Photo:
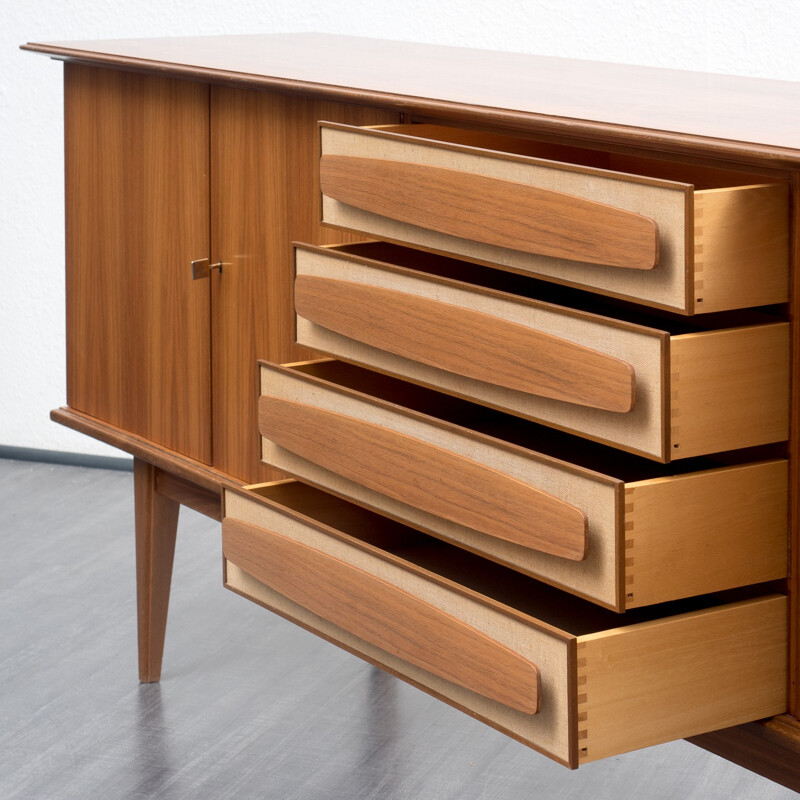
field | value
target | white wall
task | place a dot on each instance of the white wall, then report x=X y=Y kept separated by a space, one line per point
x=744 y=37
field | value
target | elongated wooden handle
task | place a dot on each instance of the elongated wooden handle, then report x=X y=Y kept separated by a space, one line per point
x=467 y=342
x=384 y=615
x=493 y=211
x=426 y=476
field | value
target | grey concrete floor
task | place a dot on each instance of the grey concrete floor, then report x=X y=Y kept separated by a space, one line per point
x=249 y=706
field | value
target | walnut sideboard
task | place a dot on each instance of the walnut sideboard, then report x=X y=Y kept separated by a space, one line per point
x=486 y=362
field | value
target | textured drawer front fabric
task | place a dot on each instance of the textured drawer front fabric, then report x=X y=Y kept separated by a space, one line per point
x=604 y=684
x=598 y=534
x=637 y=388
x=659 y=241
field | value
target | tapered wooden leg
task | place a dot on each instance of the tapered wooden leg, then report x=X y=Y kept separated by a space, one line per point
x=156 y=527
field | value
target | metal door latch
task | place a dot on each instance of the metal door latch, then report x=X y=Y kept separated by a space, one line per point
x=202 y=269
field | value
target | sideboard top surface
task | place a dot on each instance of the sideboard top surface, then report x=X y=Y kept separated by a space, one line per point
x=671 y=108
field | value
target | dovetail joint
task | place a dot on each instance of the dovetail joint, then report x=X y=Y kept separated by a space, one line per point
x=630 y=526
x=698 y=255
x=582 y=678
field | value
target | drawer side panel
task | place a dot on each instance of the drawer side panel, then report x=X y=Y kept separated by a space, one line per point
x=705 y=532
x=679 y=677
x=729 y=389
x=741 y=247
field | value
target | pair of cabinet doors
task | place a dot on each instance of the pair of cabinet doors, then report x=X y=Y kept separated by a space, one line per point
x=159 y=173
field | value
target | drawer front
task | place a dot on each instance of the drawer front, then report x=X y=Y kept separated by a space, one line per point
x=379 y=611
x=634 y=387
x=656 y=241
x=538 y=514
x=541 y=682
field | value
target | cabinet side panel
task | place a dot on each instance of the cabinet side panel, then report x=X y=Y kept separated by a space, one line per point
x=264 y=195
x=137 y=214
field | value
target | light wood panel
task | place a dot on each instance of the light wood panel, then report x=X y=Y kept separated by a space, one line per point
x=384 y=615
x=741 y=247
x=498 y=212
x=136 y=214
x=264 y=194
x=467 y=342
x=702 y=532
x=729 y=389
x=653 y=682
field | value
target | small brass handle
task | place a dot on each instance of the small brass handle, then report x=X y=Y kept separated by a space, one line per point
x=202 y=269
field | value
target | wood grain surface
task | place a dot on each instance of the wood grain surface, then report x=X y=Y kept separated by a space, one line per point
x=656 y=681
x=138 y=350
x=200 y=475
x=794 y=476
x=264 y=194
x=741 y=247
x=710 y=113
x=426 y=476
x=729 y=389
x=381 y=613
x=493 y=211
x=467 y=342
x=640 y=430
x=705 y=531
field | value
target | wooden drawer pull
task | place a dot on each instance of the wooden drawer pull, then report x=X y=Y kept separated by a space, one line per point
x=384 y=615
x=426 y=476
x=493 y=211
x=466 y=342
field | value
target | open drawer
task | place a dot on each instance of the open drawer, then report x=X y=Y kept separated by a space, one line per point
x=613 y=528
x=571 y=680
x=665 y=392
x=683 y=237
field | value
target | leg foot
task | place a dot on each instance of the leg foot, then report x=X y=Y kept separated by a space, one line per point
x=156 y=527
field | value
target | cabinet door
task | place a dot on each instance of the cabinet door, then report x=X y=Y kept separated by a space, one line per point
x=138 y=353
x=264 y=195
